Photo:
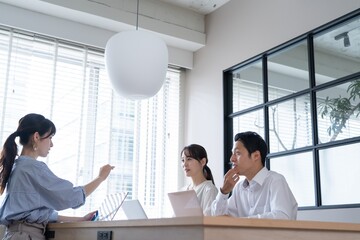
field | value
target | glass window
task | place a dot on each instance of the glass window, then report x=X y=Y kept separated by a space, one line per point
x=4 y=48
x=299 y=174
x=337 y=51
x=288 y=71
x=68 y=84
x=247 y=87
x=298 y=110
x=253 y=121
x=290 y=124
x=339 y=112
x=340 y=178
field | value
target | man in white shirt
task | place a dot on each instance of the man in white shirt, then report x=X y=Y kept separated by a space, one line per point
x=263 y=193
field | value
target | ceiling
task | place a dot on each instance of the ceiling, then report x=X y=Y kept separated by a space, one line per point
x=185 y=31
x=200 y=6
x=190 y=36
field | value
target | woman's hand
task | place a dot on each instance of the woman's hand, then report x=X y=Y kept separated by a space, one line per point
x=103 y=174
x=89 y=216
x=105 y=171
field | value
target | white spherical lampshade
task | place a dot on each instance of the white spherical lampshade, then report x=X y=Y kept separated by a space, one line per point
x=136 y=62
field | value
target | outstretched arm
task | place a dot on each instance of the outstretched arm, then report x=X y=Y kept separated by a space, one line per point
x=103 y=174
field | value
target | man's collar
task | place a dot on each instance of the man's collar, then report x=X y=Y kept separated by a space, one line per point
x=259 y=177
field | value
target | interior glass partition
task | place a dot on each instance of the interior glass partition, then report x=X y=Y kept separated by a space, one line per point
x=303 y=97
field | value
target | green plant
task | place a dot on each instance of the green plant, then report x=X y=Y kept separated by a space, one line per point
x=339 y=110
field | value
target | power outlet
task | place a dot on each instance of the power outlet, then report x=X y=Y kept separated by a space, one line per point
x=104 y=235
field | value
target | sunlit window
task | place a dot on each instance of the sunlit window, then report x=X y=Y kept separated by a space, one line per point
x=68 y=84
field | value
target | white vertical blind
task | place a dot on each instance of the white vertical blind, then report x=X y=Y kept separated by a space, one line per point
x=68 y=84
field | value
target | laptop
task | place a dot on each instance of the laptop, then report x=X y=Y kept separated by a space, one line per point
x=185 y=203
x=110 y=207
x=133 y=210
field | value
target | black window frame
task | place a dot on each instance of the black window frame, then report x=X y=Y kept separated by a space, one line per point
x=229 y=114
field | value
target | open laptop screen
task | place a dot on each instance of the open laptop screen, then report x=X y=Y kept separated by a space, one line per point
x=133 y=210
x=111 y=205
x=185 y=203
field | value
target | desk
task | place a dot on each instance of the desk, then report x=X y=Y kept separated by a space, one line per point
x=209 y=228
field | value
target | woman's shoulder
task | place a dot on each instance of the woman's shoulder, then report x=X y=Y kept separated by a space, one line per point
x=25 y=160
x=208 y=183
x=208 y=186
x=30 y=165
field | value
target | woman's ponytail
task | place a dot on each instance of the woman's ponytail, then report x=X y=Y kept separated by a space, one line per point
x=7 y=159
x=207 y=173
x=28 y=125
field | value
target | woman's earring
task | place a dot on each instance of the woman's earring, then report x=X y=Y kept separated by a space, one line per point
x=34 y=147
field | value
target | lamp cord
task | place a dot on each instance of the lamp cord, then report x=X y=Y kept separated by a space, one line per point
x=137 y=15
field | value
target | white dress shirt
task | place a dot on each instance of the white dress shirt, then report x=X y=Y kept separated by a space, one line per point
x=267 y=195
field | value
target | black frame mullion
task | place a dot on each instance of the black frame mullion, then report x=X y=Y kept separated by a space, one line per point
x=312 y=90
x=315 y=152
x=266 y=108
x=228 y=121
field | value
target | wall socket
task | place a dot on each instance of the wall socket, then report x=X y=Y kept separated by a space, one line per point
x=104 y=235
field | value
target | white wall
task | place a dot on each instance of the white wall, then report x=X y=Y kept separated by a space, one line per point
x=237 y=31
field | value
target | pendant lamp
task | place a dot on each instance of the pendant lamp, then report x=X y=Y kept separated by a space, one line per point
x=136 y=62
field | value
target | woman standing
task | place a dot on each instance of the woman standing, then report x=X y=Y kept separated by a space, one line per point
x=34 y=193
x=194 y=162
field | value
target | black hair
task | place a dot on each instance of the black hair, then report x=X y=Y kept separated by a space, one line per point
x=28 y=125
x=198 y=152
x=253 y=142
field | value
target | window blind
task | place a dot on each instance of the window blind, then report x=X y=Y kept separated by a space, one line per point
x=67 y=83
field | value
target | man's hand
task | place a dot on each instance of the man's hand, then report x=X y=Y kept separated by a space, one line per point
x=230 y=179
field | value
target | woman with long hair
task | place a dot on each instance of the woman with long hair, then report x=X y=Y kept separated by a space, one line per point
x=34 y=193
x=194 y=162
